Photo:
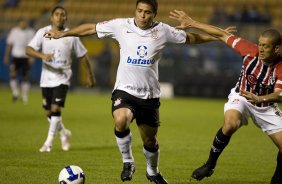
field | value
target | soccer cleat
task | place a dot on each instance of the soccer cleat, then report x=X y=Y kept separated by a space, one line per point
x=45 y=148
x=201 y=172
x=15 y=98
x=276 y=180
x=65 y=140
x=127 y=171
x=158 y=179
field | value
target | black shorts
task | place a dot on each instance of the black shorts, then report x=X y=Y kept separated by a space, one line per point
x=56 y=95
x=145 y=111
x=21 y=64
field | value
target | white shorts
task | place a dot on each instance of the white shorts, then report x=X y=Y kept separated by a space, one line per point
x=269 y=119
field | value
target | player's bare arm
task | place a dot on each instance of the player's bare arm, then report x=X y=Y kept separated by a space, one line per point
x=79 y=31
x=187 y=22
x=36 y=54
x=272 y=97
x=193 y=38
x=89 y=81
x=7 y=54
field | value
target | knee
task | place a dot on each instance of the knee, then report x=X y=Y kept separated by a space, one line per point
x=55 y=108
x=121 y=123
x=151 y=142
x=230 y=126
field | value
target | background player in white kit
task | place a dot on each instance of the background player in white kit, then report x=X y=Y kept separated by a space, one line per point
x=136 y=92
x=56 y=73
x=255 y=95
x=17 y=41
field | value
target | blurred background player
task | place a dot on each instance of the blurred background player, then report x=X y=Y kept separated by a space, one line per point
x=137 y=91
x=57 y=72
x=19 y=67
x=255 y=95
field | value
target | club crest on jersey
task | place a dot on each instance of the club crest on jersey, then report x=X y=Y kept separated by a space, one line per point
x=252 y=79
x=154 y=33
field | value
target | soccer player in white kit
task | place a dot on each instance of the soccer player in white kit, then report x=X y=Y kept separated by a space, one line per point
x=17 y=40
x=136 y=92
x=56 y=73
x=255 y=95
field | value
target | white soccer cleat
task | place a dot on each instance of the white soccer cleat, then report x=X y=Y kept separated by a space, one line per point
x=65 y=140
x=45 y=148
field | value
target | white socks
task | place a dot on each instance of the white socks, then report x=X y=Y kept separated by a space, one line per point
x=14 y=87
x=152 y=159
x=124 y=145
x=54 y=122
x=60 y=127
x=25 y=86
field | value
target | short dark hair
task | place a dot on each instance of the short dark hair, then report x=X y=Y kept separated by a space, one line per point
x=274 y=35
x=153 y=3
x=58 y=7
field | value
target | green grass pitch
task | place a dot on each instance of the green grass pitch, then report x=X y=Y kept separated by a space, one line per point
x=188 y=126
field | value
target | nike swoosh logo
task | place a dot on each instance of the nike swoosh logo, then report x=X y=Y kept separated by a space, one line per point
x=58 y=99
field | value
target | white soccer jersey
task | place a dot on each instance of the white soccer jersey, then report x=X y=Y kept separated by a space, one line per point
x=140 y=53
x=19 y=38
x=58 y=71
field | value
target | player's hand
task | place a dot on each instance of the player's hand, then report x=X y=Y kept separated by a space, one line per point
x=231 y=29
x=252 y=98
x=184 y=20
x=90 y=82
x=53 y=34
x=48 y=57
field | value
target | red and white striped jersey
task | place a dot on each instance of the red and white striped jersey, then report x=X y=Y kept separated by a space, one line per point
x=256 y=76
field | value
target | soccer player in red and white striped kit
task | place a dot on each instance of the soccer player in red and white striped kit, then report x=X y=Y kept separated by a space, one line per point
x=255 y=95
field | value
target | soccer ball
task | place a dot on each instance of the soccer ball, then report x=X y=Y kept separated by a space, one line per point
x=71 y=175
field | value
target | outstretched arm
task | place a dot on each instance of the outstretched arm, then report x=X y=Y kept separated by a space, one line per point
x=79 y=31
x=187 y=22
x=194 y=38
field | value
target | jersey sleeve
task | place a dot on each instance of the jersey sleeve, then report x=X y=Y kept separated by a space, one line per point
x=108 y=28
x=79 y=48
x=174 y=35
x=242 y=46
x=278 y=83
x=36 y=41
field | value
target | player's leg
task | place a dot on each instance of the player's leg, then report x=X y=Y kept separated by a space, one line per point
x=47 y=94
x=232 y=121
x=277 y=176
x=152 y=153
x=13 y=81
x=147 y=119
x=122 y=120
x=235 y=115
x=57 y=100
x=25 y=84
x=123 y=116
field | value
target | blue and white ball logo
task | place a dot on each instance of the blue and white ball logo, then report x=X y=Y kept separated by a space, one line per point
x=142 y=51
x=72 y=175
